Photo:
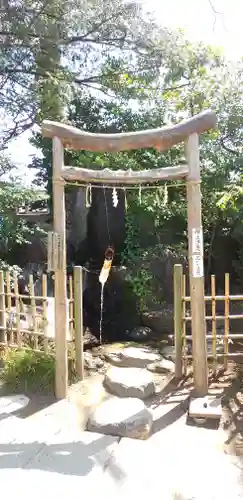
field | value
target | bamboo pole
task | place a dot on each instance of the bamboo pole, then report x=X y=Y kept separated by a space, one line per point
x=8 y=293
x=218 y=317
x=184 y=326
x=196 y=267
x=208 y=298
x=214 y=331
x=221 y=355
x=3 y=333
x=71 y=306
x=178 y=274
x=226 y=320
x=17 y=315
x=78 y=320
x=45 y=318
x=230 y=336
x=61 y=324
x=33 y=309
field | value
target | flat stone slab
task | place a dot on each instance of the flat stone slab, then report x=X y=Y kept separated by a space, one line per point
x=207 y=407
x=12 y=403
x=126 y=417
x=137 y=357
x=163 y=366
x=130 y=382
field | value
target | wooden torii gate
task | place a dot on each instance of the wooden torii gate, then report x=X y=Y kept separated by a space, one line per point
x=162 y=139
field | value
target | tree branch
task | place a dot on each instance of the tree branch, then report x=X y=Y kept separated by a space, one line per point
x=227 y=148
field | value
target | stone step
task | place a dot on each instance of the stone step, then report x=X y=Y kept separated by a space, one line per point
x=130 y=382
x=137 y=419
x=137 y=357
x=124 y=417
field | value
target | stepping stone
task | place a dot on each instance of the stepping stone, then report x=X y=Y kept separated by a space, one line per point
x=137 y=357
x=15 y=402
x=126 y=417
x=208 y=407
x=163 y=366
x=130 y=382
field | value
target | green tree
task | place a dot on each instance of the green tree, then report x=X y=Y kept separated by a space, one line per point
x=50 y=50
x=192 y=78
x=14 y=230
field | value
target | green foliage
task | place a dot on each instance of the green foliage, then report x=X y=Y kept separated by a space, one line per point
x=52 y=51
x=28 y=370
x=187 y=78
x=14 y=230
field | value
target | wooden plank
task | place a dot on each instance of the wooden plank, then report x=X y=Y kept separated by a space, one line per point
x=121 y=177
x=3 y=333
x=161 y=138
x=196 y=268
x=59 y=220
x=78 y=320
x=208 y=407
x=178 y=327
x=226 y=320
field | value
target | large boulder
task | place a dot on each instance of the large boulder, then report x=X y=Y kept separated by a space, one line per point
x=140 y=334
x=126 y=417
x=161 y=322
x=130 y=382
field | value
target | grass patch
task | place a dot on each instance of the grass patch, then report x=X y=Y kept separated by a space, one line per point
x=28 y=370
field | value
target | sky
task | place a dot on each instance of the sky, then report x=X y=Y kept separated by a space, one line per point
x=217 y=22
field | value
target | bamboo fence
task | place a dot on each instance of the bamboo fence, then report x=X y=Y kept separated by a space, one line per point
x=27 y=320
x=182 y=317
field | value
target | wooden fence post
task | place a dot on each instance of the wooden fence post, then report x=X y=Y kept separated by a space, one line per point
x=178 y=320
x=196 y=267
x=3 y=336
x=78 y=320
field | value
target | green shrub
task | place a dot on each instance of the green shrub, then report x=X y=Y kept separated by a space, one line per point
x=29 y=370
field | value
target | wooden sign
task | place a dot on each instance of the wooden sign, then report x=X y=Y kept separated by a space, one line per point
x=197 y=240
x=197 y=266
x=55 y=252
x=197 y=252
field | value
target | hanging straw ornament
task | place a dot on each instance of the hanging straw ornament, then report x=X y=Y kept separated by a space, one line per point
x=125 y=199
x=88 y=196
x=115 y=199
